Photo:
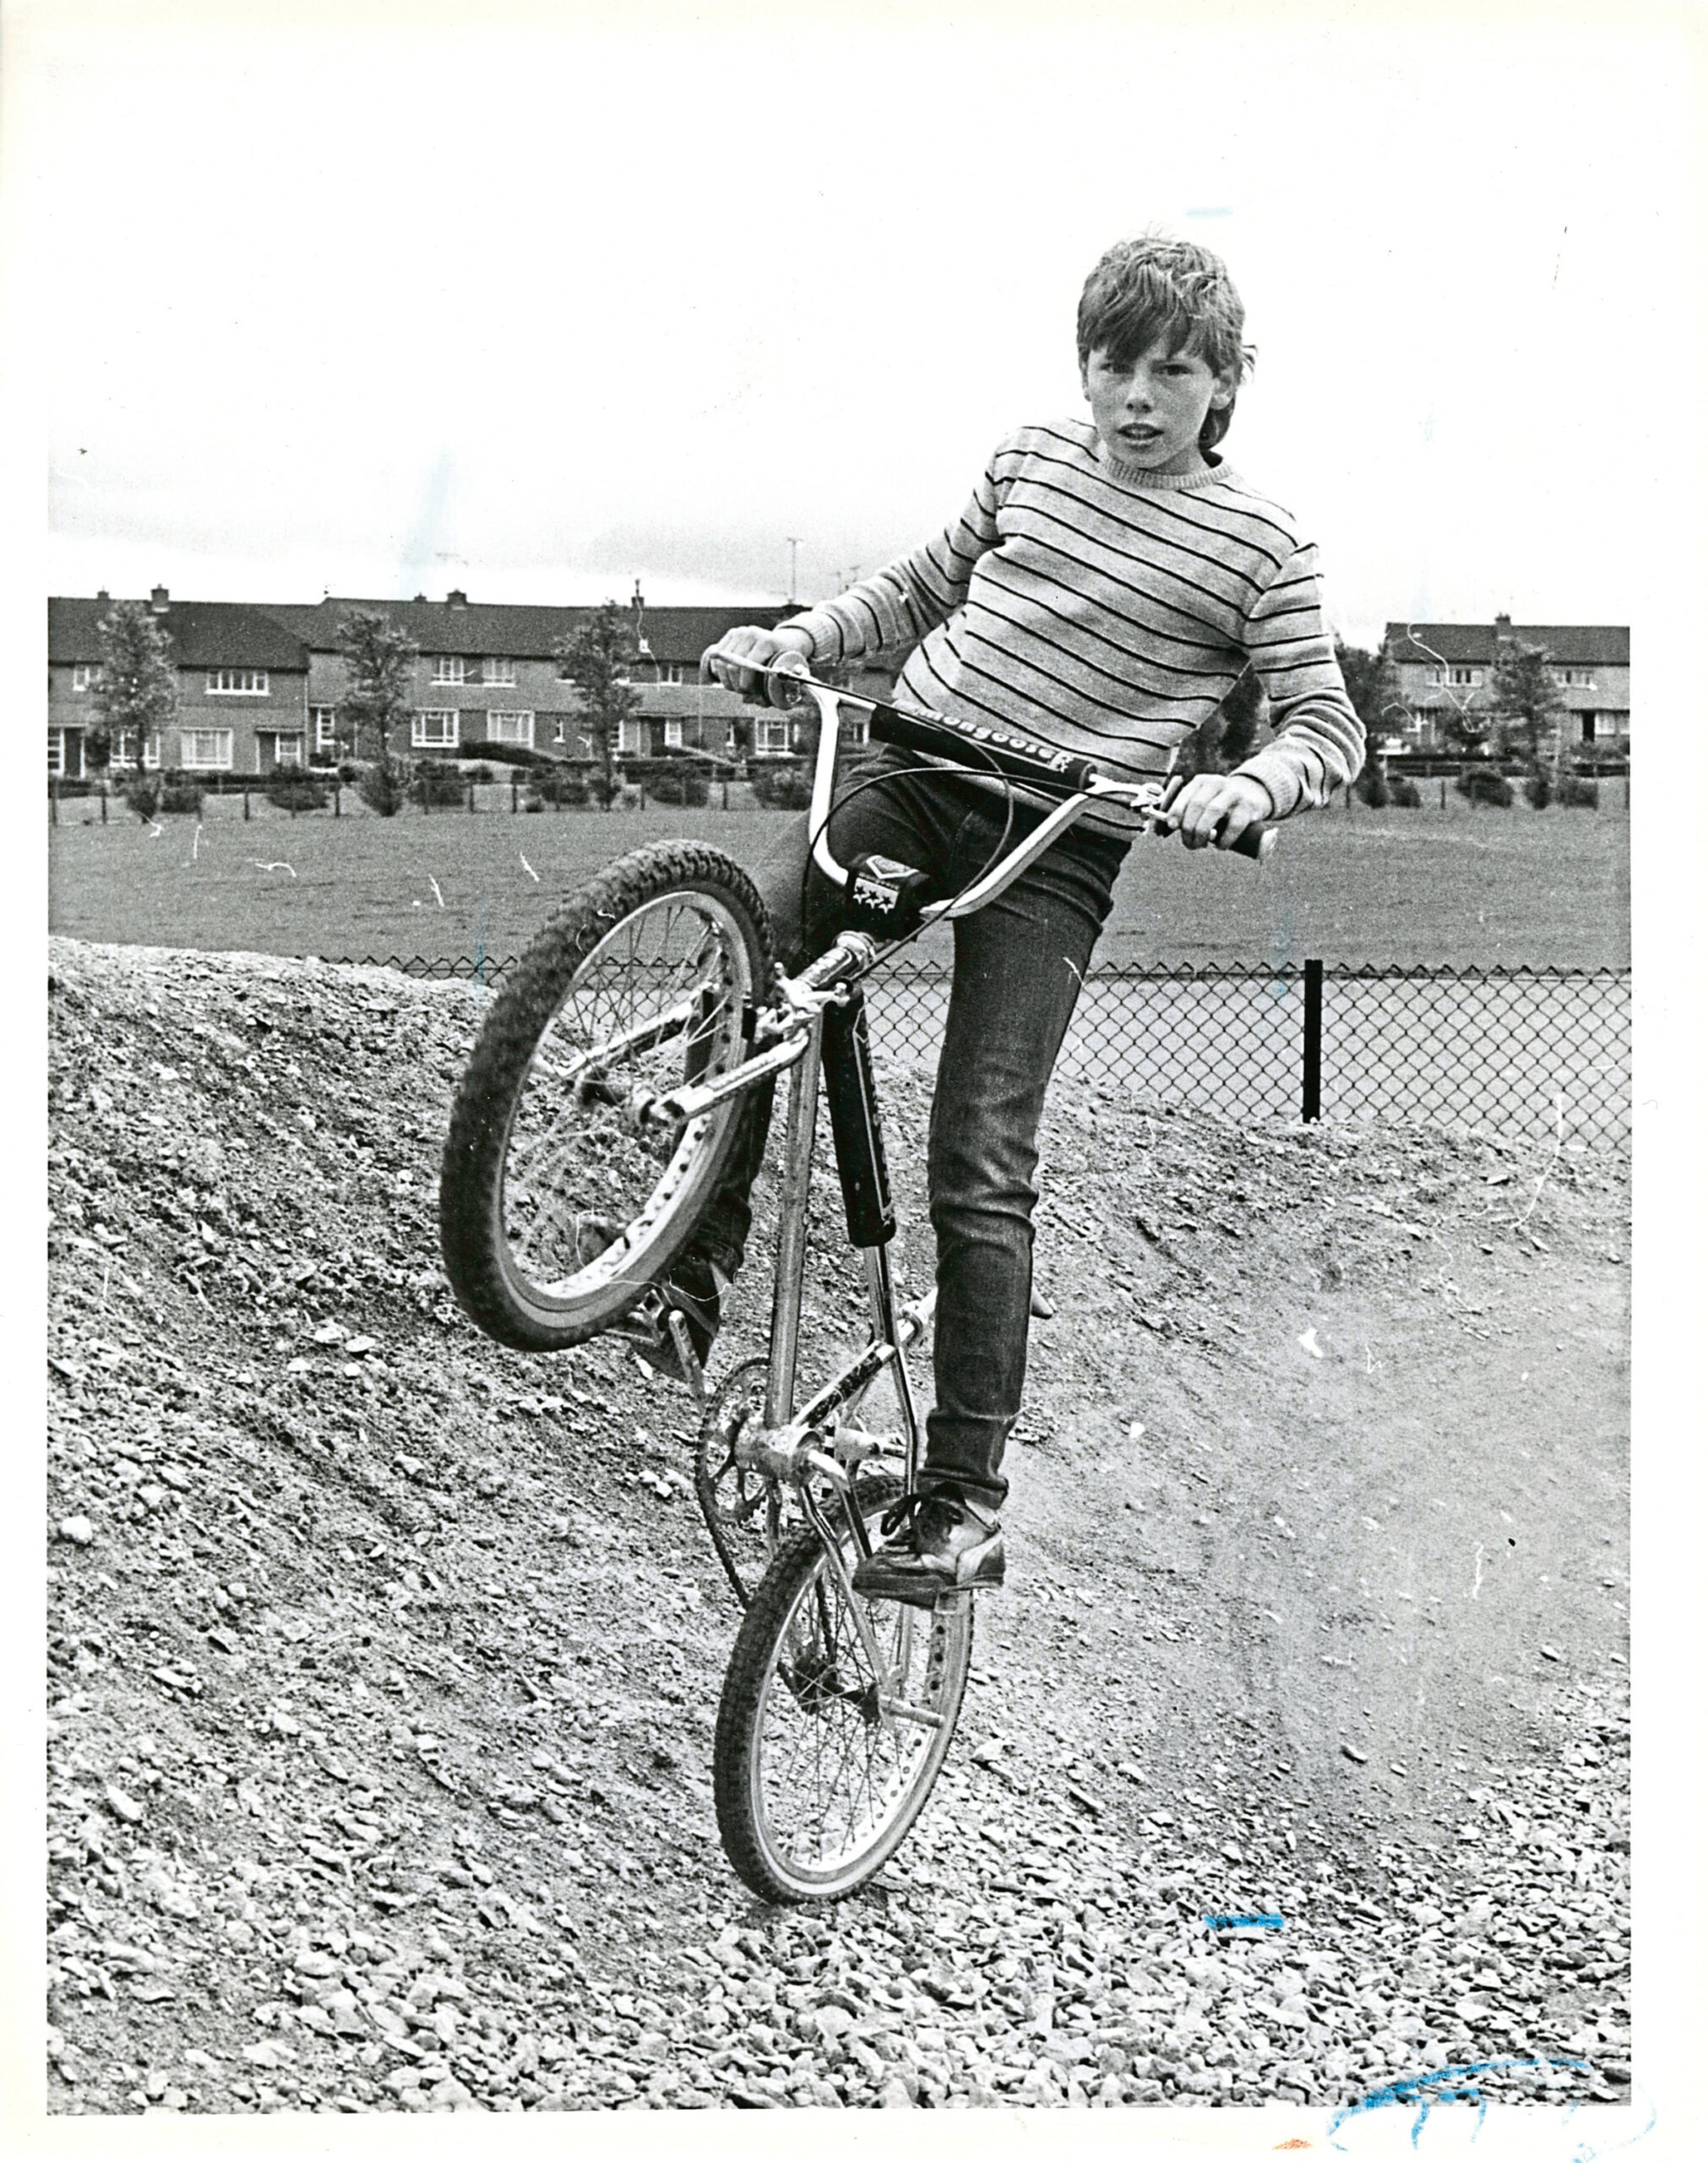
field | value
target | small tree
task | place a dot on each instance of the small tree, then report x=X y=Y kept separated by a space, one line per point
x=1371 y=684
x=136 y=687
x=378 y=660
x=1525 y=698
x=1220 y=743
x=599 y=660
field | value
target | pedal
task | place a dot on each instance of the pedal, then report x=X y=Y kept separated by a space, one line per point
x=676 y=1322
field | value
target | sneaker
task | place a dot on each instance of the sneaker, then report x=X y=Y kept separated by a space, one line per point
x=939 y=1542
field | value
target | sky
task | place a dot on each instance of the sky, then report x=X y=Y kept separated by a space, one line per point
x=544 y=301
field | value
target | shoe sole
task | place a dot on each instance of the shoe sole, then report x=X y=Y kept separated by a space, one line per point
x=975 y=1571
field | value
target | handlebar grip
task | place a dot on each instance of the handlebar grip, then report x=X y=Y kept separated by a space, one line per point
x=989 y=749
x=1256 y=843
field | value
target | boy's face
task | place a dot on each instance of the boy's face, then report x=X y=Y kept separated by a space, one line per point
x=1151 y=414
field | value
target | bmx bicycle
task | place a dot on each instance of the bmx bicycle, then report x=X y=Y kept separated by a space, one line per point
x=590 y=1130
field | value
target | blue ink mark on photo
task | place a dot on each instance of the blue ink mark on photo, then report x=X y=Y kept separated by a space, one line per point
x=1444 y=2085
x=1245 y=1922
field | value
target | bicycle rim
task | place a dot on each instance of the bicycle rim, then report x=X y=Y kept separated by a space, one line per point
x=591 y=1196
x=834 y=1770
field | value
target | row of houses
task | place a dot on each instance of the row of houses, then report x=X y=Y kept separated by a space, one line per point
x=259 y=686
x=1443 y=672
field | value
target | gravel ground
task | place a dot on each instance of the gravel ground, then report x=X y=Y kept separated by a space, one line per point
x=383 y=1663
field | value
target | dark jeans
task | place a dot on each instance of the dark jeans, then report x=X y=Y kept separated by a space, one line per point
x=1018 y=963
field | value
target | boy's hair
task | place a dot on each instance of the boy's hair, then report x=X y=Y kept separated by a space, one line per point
x=1152 y=290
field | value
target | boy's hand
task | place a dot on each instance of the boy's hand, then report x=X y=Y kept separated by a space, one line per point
x=748 y=644
x=1215 y=809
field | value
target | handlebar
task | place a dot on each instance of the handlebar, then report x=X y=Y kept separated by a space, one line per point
x=1078 y=782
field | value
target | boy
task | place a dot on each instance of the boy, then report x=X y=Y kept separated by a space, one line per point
x=1100 y=594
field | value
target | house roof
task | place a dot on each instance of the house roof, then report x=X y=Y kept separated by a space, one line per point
x=203 y=634
x=513 y=630
x=1577 y=645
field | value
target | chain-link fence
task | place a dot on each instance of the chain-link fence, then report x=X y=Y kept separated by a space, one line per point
x=1500 y=1048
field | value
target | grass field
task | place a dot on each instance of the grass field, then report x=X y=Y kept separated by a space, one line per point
x=1459 y=887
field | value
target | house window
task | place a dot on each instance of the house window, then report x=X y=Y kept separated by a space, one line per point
x=450 y=669
x=83 y=676
x=434 y=729
x=1464 y=676
x=672 y=736
x=669 y=671
x=630 y=737
x=56 y=750
x=1607 y=724
x=1583 y=677
x=852 y=729
x=325 y=722
x=495 y=671
x=238 y=683
x=209 y=749
x=511 y=728
x=124 y=751
x=774 y=737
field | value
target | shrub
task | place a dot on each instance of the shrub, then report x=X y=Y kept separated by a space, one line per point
x=143 y=794
x=678 y=783
x=182 y=792
x=349 y=772
x=533 y=801
x=503 y=755
x=780 y=788
x=382 y=789
x=481 y=777
x=1402 y=791
x=1538 y=789
x=1484 y=784
x=560 y=785
x=436 y=781
x=297 y=792
x=1576 y=793
x=1372 y=786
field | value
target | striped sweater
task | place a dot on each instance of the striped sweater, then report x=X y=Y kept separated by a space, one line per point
x=1107 y=611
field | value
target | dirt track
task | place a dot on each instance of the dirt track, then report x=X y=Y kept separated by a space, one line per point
x=384 y=1662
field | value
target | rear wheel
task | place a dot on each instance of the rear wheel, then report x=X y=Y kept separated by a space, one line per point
x=560 y=1201
x=821 y=1765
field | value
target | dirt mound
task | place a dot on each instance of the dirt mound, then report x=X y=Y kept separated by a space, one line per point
x=384 y=1662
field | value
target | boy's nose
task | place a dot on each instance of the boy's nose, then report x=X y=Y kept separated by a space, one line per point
x=1138 y=399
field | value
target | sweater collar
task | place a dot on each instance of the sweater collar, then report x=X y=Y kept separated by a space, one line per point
x=1137 y=477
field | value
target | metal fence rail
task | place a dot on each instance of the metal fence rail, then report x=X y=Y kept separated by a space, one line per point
x=1506 y=1048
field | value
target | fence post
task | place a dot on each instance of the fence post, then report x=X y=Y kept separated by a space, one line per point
x=53 y=799
x=514 y=805
x=337 y=800
x=103 y=803
x=1311 y=1107
x=246 y=803
x=472 y=796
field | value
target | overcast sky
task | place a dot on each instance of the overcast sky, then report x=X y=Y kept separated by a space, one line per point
x=540 y=302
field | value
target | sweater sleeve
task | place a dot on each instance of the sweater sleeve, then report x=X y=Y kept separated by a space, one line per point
x=1319 y=740
x=898 y=605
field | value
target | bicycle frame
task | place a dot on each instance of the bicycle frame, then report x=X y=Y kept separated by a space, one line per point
x=814 y=1030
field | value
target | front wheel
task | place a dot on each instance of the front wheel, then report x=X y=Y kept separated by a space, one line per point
x=821 y=1764
x=560 y=1200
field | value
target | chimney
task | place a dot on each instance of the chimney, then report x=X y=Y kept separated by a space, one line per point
x=103 y=595
x=158 y=600
x=1503 y=628
x=456 y=598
